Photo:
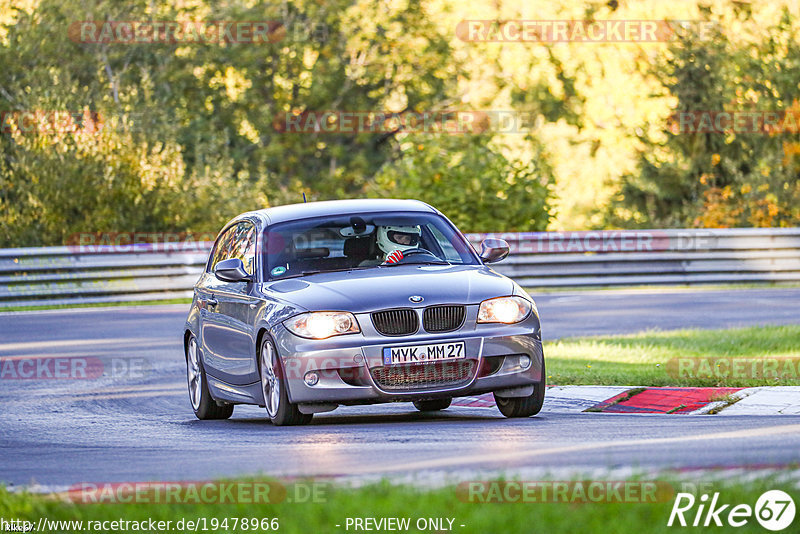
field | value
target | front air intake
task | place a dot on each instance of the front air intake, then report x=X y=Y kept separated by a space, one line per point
x=424 y=376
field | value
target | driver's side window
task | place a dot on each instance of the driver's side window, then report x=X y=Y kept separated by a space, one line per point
x=221 y=248
x=243 y=245
x=238 y=241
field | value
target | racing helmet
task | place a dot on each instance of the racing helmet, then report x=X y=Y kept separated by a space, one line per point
x=400 y=238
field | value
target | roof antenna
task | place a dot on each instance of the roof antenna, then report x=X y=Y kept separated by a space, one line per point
x=304 y=197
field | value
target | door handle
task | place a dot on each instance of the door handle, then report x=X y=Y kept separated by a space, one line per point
x=253 y=305
x=212 y=302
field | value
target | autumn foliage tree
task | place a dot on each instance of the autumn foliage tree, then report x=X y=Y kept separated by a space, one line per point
x=745 y=175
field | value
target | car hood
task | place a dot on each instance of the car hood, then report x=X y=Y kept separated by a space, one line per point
x=390 y=287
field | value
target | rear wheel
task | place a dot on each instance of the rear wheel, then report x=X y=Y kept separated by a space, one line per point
x=523 y=406
x=432 y=405
x=203 y=405
x=273 y=384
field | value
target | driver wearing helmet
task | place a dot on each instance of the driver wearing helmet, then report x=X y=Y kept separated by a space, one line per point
x=396 y=238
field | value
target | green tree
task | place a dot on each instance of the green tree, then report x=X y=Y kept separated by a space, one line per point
x=711 y=178
x=475 y=185
x=193 y=130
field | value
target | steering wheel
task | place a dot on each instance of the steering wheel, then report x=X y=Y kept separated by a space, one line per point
x=416 y=254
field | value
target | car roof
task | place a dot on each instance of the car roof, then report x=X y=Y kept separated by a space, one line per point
x=306 y=210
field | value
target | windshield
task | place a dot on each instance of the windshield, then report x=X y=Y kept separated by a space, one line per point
x=362 y=241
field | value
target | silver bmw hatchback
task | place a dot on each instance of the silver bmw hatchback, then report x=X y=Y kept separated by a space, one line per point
x=306 y=307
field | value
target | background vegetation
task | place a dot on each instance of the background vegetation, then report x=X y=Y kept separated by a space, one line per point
x=191 y=133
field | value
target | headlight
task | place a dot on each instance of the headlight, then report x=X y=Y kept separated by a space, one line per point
x=506 y=310
x=321 y=325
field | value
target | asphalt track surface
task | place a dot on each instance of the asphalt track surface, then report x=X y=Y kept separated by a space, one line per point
x=138 y=425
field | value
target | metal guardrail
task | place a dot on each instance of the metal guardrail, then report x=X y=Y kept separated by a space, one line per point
x=645 y=257
x=65 y=275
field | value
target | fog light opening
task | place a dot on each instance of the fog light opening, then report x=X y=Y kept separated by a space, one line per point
x=524 y=361
x=311 y=378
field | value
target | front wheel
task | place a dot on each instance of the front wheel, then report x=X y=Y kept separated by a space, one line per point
x=523 y=406
x=203 y=405
x=273 y=384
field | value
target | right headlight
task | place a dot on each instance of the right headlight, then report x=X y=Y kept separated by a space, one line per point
x=322 y=325
x=507 y=310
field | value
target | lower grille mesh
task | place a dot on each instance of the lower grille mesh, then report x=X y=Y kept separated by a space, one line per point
x=424 y=376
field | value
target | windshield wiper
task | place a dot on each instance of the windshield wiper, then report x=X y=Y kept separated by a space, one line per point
x=320 y=271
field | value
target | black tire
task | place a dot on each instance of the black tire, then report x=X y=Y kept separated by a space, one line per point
x=523 y=406
x=285 y=413
x=432 y=405
x=207 y=407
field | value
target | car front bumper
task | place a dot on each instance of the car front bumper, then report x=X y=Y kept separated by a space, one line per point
x=345 y=365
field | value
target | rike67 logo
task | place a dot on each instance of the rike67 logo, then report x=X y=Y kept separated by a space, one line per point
x=774 y=510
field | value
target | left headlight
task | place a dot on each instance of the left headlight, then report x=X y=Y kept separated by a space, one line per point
x=506 y=310
x=322 y=325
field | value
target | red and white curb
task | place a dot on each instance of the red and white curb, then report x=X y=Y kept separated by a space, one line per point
x=775 y=400
x=784 y=400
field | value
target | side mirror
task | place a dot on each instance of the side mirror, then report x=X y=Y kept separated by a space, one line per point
x=493 y=250
x=231 y=270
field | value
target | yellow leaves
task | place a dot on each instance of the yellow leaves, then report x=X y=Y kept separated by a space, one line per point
x=705 y=178
x=715 y=159
x=248 y=131
x=727 y=192
x=772 y=210
x=234 y=82
x=790 y=150
x=723 y=207
x=310 y=57
x=720 y=210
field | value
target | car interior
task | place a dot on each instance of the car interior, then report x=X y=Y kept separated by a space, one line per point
x=325 y=249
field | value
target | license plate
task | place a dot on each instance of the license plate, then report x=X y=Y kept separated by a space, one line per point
x=424 y=353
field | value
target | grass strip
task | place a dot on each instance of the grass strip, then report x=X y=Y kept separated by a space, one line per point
x=739 y=357
x=383 y=500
